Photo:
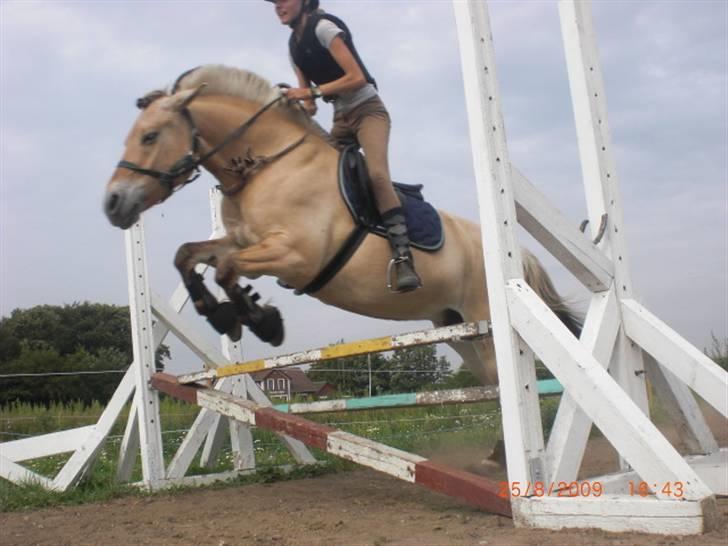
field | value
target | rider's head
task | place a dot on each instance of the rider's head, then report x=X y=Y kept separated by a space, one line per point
x=290 y=11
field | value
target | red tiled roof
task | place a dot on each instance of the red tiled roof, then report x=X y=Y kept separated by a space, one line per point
x=299 y=380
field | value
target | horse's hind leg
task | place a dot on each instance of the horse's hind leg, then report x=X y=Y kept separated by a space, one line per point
x=479 y=357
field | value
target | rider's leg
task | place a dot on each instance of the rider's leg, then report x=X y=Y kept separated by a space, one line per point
x=372 y=125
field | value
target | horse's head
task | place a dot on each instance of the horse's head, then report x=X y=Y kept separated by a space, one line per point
x=159 y=157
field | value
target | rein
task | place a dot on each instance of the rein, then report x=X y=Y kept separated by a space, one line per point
x=190 y=162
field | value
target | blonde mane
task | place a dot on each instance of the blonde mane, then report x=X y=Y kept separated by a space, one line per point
x=236 y=82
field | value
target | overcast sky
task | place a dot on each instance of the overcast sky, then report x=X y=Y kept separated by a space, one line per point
x=70 y=72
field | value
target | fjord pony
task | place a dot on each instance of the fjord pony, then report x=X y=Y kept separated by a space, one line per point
x=284 y=216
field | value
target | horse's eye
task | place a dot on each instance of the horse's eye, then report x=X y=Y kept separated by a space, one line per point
x=150 y=138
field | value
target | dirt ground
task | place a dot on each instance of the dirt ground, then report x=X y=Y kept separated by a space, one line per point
x=354 y=508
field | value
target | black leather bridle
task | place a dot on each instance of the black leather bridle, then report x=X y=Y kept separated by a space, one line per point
x=189 y=164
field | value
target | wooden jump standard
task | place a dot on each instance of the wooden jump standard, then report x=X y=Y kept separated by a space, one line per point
x=466 y=330
x=471 y=488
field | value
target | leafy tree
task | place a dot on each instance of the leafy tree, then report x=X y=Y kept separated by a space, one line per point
x=70 y=338
x=414 y=368
x=405 y=370
x=355 y=383
x=461 y=379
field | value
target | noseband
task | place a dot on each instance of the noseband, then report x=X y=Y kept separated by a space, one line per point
x=189 y=164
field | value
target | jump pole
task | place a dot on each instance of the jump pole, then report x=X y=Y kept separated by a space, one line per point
x=471 y=488
x=457 y=332
x=468 y=395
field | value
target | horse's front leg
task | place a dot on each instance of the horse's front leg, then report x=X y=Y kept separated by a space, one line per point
x=272 y=256
x=223 y=316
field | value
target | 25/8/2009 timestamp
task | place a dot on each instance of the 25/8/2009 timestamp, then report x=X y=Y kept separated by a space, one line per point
x=587 y=488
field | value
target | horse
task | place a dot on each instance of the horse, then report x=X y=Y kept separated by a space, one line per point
x=284 y=216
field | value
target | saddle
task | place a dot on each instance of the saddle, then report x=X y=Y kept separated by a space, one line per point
x=423 y=221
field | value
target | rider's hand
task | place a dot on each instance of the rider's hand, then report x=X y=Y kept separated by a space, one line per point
x=310 y=106
x=297 y=93
x=302 y=94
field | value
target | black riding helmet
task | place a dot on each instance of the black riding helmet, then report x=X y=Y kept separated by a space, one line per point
x=309 y=5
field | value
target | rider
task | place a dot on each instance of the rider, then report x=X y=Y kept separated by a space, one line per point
x=328 y=66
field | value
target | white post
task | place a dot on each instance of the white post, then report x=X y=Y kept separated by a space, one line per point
x=140 y=309
x=523 y=434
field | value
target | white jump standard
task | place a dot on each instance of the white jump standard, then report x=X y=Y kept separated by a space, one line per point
x=616 y=330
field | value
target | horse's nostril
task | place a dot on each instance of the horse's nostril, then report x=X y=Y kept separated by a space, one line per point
x=112 y=201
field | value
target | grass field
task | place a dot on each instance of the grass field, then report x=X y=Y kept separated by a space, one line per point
x=421 y=430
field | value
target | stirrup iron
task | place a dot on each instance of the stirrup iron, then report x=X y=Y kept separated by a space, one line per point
x=393 y=262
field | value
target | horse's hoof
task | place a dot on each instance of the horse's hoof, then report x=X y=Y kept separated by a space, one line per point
x=224 y=319
x=269 y=327
x=236 y=332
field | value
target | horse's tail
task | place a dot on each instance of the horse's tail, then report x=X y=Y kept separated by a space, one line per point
x=538 y=279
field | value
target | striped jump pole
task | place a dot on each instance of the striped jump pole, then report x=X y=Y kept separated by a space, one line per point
x=457 y=332
x=467 y=395
x=471 y=488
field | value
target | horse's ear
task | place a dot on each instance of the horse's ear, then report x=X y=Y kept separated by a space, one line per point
x=181 y=99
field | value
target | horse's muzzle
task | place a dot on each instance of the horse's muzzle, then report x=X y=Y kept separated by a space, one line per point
x=123 y=207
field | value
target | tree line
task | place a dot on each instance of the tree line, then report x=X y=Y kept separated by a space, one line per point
x=409 y=369
x=95 y=337
x=47 y=339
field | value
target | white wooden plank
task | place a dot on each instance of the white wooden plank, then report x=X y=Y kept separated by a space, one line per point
x=615 y=514
x=570 y=431
x=601 y=183
x=241 y=437
x=679 y=402
x=129 y=447
x=628 y=429
x=202 y=426
x=678 y=356
x=560 y=236
x=191 y=443
x=227 y=405
x=627 y=369
x=389 y=460
x=15 y=473
x=187 y=333
x=598 y=167
x=523 y=434
x=215 y=439
x=712 y=469
x=84 y=456
x=140 y=309
x=208 y=479
x=44 y=445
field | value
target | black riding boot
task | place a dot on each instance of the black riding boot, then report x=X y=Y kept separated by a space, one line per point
x=402 y=264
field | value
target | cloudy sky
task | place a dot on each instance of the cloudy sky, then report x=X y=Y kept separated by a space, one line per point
x=70 y=72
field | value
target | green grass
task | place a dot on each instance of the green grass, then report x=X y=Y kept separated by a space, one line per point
x=421 y=430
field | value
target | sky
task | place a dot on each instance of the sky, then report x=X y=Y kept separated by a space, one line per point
x=71 y=71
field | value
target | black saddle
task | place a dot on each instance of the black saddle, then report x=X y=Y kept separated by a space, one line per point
x=423 y=221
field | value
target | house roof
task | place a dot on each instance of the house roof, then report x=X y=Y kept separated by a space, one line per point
x=299 y=380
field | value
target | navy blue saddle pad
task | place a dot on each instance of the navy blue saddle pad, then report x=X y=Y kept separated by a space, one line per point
x=423 y=221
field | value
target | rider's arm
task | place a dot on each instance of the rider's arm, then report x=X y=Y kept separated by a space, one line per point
x=304 y=83
x=353 y=77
